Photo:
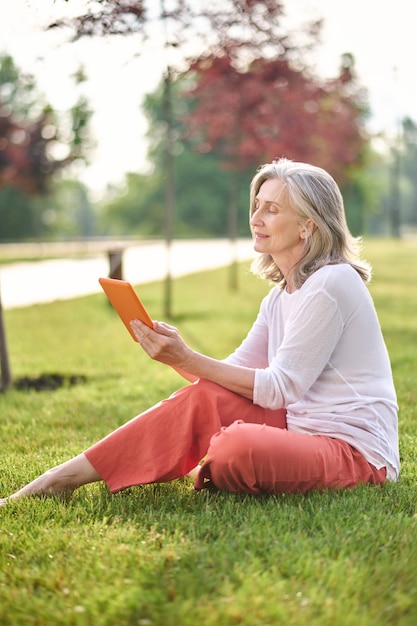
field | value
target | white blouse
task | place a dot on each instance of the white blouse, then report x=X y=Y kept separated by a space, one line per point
x=320 y=353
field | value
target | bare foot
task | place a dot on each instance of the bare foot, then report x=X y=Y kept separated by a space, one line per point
x=61 y=480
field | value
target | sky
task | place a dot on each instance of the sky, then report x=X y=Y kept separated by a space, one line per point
x=379 y=33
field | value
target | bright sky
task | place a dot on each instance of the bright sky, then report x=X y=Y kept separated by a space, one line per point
x=379 y=33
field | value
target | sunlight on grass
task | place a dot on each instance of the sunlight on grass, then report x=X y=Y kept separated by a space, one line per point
x=165 y=554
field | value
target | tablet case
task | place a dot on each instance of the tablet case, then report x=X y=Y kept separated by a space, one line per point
x=126 y=302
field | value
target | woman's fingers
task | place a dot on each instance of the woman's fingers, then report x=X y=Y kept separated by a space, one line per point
x=138 y=328
x=165 y=329
x=142 y=330
x=162 y=343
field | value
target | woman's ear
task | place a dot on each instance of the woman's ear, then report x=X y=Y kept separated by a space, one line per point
x=307 y=229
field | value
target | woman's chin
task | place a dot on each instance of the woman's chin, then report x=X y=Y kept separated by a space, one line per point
x=258 y=247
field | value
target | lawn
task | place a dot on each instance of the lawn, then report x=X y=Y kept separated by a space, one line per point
x=165 y=554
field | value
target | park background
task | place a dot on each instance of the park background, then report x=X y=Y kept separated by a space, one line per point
x=101 y=168
x=164 y=554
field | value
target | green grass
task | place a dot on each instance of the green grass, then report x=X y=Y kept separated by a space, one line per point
x=164 y=554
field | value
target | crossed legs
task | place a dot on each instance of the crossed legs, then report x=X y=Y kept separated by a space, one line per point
x=248 y=448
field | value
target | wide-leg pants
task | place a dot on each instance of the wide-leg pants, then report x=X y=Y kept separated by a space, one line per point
x=247 y=449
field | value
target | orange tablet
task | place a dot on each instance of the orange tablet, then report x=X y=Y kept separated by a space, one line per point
x=126 y=302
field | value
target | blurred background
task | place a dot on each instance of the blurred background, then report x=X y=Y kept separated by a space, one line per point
x=147 y=119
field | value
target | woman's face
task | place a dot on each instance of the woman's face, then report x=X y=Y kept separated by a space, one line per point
x=275 y=226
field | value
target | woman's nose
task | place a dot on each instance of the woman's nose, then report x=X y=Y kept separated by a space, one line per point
x=255 y=217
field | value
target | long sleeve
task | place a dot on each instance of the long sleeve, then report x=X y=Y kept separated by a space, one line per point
x=311 y=334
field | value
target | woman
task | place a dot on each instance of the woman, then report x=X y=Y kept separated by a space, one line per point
x=306 y=402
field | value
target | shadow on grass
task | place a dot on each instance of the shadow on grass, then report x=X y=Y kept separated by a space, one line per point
x=48 y=381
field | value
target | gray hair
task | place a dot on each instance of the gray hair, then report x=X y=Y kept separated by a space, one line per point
x=314 y=195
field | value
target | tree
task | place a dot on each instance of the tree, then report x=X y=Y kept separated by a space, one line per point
x=31 y=145
x=271 y=109
x=136 y=207
x=206 y=112
x=408 y=171
x=66 y=212
x=241 y=27
x=202 y=186
x=243 y=24
x=35 y=144
x=5 y=372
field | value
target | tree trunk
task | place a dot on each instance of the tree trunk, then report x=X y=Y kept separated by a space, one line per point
x=169 y=190
x=6 y=377
x=233 y=230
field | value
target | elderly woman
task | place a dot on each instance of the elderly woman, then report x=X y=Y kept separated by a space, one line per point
x=307 y=401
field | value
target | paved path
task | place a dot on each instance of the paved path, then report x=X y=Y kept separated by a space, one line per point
x=24 y=284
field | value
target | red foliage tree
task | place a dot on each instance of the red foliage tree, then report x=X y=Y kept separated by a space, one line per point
x=271 y=110
x=34 y=141
x=26 y=160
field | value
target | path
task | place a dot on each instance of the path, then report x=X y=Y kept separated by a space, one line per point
x=24 y=284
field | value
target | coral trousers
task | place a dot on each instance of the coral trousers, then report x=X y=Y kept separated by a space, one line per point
x=247 y=449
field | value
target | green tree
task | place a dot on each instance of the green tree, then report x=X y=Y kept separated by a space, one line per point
x=135 y=208
x=202 y=191
x=408 y=171
x=396 y=173
x=18 y=218
x=67 y=212
x=202 y=184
